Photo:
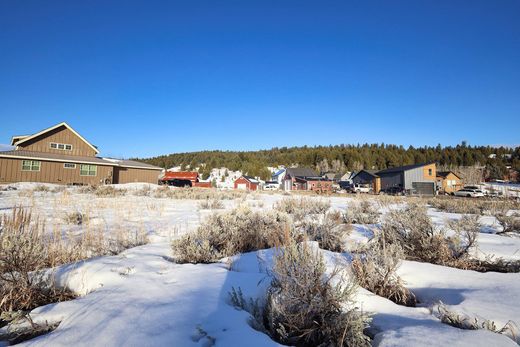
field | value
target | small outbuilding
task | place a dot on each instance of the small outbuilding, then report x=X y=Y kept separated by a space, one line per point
x=247 y=183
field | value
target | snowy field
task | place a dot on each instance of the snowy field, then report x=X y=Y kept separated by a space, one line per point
x=141 y=298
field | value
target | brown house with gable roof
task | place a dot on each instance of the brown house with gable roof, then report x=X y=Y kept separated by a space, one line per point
x=60 y=155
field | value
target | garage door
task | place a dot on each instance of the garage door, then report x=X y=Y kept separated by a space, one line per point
x=424 y=188
x=242 y=186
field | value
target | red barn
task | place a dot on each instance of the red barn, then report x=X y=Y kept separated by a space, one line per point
x=246 y=183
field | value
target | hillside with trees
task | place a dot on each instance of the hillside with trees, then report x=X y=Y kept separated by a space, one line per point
x=340 y=158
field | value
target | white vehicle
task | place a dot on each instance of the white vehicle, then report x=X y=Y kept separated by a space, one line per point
x=361 y=188
x=271 y=187
x=469 y=193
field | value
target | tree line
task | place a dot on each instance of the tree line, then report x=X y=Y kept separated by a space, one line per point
x=342 y=158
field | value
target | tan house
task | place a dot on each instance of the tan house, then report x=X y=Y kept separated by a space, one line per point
x=448 y=182
x=60 y=155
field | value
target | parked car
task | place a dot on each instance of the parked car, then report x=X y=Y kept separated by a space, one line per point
x=469 y=193
x=360 y=188
x=271 y=186
x=393 y=191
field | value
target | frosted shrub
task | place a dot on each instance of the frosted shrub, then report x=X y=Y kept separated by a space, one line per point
x=330 y=232
x=305 y=306
x=211 y=204
x=414 y=231
x=376 y=271
x=466 y=231
x=361 y=212
x=228 y=233
x=510 y=223
x=301 y=207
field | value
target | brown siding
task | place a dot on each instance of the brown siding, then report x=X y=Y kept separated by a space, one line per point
x=50 y=172
x=451 y=189
x=130 y=175
x=433 y=176
x=59 y=135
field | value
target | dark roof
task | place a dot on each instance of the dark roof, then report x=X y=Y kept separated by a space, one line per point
x=301 y=172
x=21 y=154
x=402 y=168
x=372 y=173
x=444 y=174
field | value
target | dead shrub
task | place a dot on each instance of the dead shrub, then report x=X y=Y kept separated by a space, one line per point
x=305 y=306
x=211 y=204
x=76 y=218
x=420 y=240
x=22 y=332
x=228 y=233
x=302 y=207
x=361 y=212
x=376 y=271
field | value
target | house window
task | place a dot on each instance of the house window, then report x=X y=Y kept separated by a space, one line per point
x=430 y=172
x=31 y=165
x=69 y=166
x=61 y=146
x=87 y=170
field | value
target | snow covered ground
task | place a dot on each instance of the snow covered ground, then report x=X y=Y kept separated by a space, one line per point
x=141 y=298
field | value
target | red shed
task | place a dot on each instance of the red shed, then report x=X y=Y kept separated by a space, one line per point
x=246 y=183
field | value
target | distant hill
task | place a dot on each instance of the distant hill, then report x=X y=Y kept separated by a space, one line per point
x=340 y=158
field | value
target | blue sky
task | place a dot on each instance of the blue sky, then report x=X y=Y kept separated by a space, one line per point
x=156 y=77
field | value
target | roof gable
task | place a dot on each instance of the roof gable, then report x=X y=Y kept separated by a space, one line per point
x=301 y=172
x=43 y=132
x=402 y=168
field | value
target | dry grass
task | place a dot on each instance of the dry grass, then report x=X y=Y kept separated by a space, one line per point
x=228 y=233
x=361 y=212
x=305 y=306
x=26 y=251
x=302 y=206
x=471 y=206
x=23 y=249
x=197 y=193
x=462 y=321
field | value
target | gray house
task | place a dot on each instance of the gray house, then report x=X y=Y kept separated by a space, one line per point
x=413 y=179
